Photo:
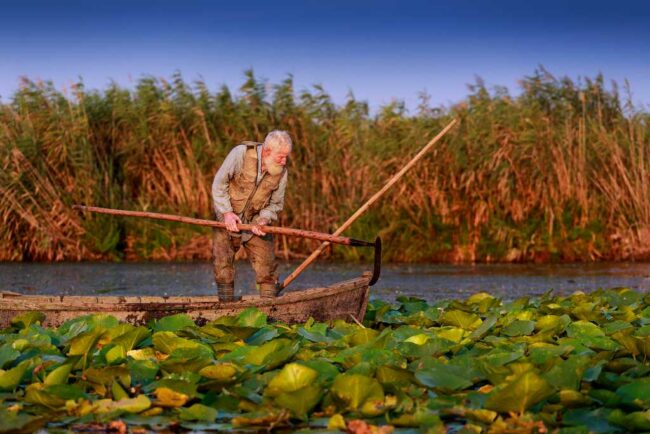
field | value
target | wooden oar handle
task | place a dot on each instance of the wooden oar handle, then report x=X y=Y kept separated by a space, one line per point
x=215 y=224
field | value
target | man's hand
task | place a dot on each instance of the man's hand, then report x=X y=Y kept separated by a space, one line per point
x=257 y=228
x=231 y=220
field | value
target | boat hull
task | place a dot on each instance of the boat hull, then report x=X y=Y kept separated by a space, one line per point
x=345 y=300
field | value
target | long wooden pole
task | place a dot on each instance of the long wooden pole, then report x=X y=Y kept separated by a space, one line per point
x=290 y=278
x=215 y=224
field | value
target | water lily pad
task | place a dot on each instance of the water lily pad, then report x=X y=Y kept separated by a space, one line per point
x=292 y=377
x=26 y=319
x=354 y=390
x=187 y=359
x=172 y=323
x=167 y=342
x=251 y=317
x=132 y=338
x=199 y=412
x=519 y=394
x=8 y=354
x=301 y=401
x=142 y=371
x=518 y=328
x=166 y=397
x=221 y=372
x=11 y=378
x=444 y=377
x=636 y=394
x=272 y=353
x=59 y=375
x=459 y=318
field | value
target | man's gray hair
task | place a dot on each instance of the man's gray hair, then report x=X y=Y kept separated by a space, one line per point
x=277 y=139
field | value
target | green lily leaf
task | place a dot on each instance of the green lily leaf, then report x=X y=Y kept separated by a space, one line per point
x=327 y=372
x=131 y=405
x=542 y=353
x=172 y=323
x=118 y=391
x=567 y=374
x=221 y=372
x=26 y=319
x=168 y=342
x=590 y=335
x=519 y=394
x=143 y=354
x=105 y=376
x=485 y=327
x=251 y=317
x=361 y=336
x=10 y=379
x=443 y=377
x=84 y=344
x=185 y=359
x=556 y=323
x=19 y=422
x=59 y=375
x=596 y=421
x=459 y=318
x=142 y=371
x=301 y=401
x=166 y=397
x=8 y=354
x=263 y=335
x=291 y=378
x=54 y=396
x=199 y=412
x=636 y=394
x=518 y=328
x=132 y=338
x=272 y=353
x=635 y=421
x=390 y=375
x=314 y=337
x=116 y=355
x=180 y=386
x=354 y=390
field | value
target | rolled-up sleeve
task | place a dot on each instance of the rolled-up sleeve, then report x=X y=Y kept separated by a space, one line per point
x=230 y=166
x=276 y=203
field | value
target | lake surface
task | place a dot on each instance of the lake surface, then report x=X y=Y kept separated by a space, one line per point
x=429 y=281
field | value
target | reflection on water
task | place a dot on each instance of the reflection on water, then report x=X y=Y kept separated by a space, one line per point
x=429 y=281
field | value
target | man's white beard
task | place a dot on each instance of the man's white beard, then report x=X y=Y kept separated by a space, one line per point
x=273 y=169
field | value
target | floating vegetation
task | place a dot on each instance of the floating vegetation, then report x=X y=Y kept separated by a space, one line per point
x=573 y=364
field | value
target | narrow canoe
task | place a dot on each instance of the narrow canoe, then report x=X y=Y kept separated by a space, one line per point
x=345 y=300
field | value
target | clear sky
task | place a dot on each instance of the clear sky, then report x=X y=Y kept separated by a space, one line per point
x=380 y=50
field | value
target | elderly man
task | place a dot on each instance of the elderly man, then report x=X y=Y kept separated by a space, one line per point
x=249 y=188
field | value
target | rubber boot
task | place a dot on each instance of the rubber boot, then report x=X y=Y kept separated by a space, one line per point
x=268 y=290
x=226 y=291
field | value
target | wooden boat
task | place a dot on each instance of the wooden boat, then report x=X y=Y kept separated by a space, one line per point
x=344 y=300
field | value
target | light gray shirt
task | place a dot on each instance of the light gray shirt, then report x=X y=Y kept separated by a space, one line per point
x=231 y=166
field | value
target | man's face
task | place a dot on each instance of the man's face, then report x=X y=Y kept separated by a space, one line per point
x=279 y=156
x=276 y=159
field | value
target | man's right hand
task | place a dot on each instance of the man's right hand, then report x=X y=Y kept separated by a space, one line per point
x=231 y=220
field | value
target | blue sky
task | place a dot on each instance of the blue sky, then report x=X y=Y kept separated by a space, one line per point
x=380 y=50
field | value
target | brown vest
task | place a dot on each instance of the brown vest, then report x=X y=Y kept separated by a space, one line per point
x=247 y=198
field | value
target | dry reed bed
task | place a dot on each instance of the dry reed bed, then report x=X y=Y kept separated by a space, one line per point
x=557 y=173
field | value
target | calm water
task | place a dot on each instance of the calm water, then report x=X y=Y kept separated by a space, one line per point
x=428 y=281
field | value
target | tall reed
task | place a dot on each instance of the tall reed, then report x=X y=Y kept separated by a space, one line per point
x=558 y=172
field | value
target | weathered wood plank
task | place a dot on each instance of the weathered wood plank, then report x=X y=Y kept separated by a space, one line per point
x=338 y=301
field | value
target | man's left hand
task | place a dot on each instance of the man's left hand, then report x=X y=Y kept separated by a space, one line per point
x=257 y=228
